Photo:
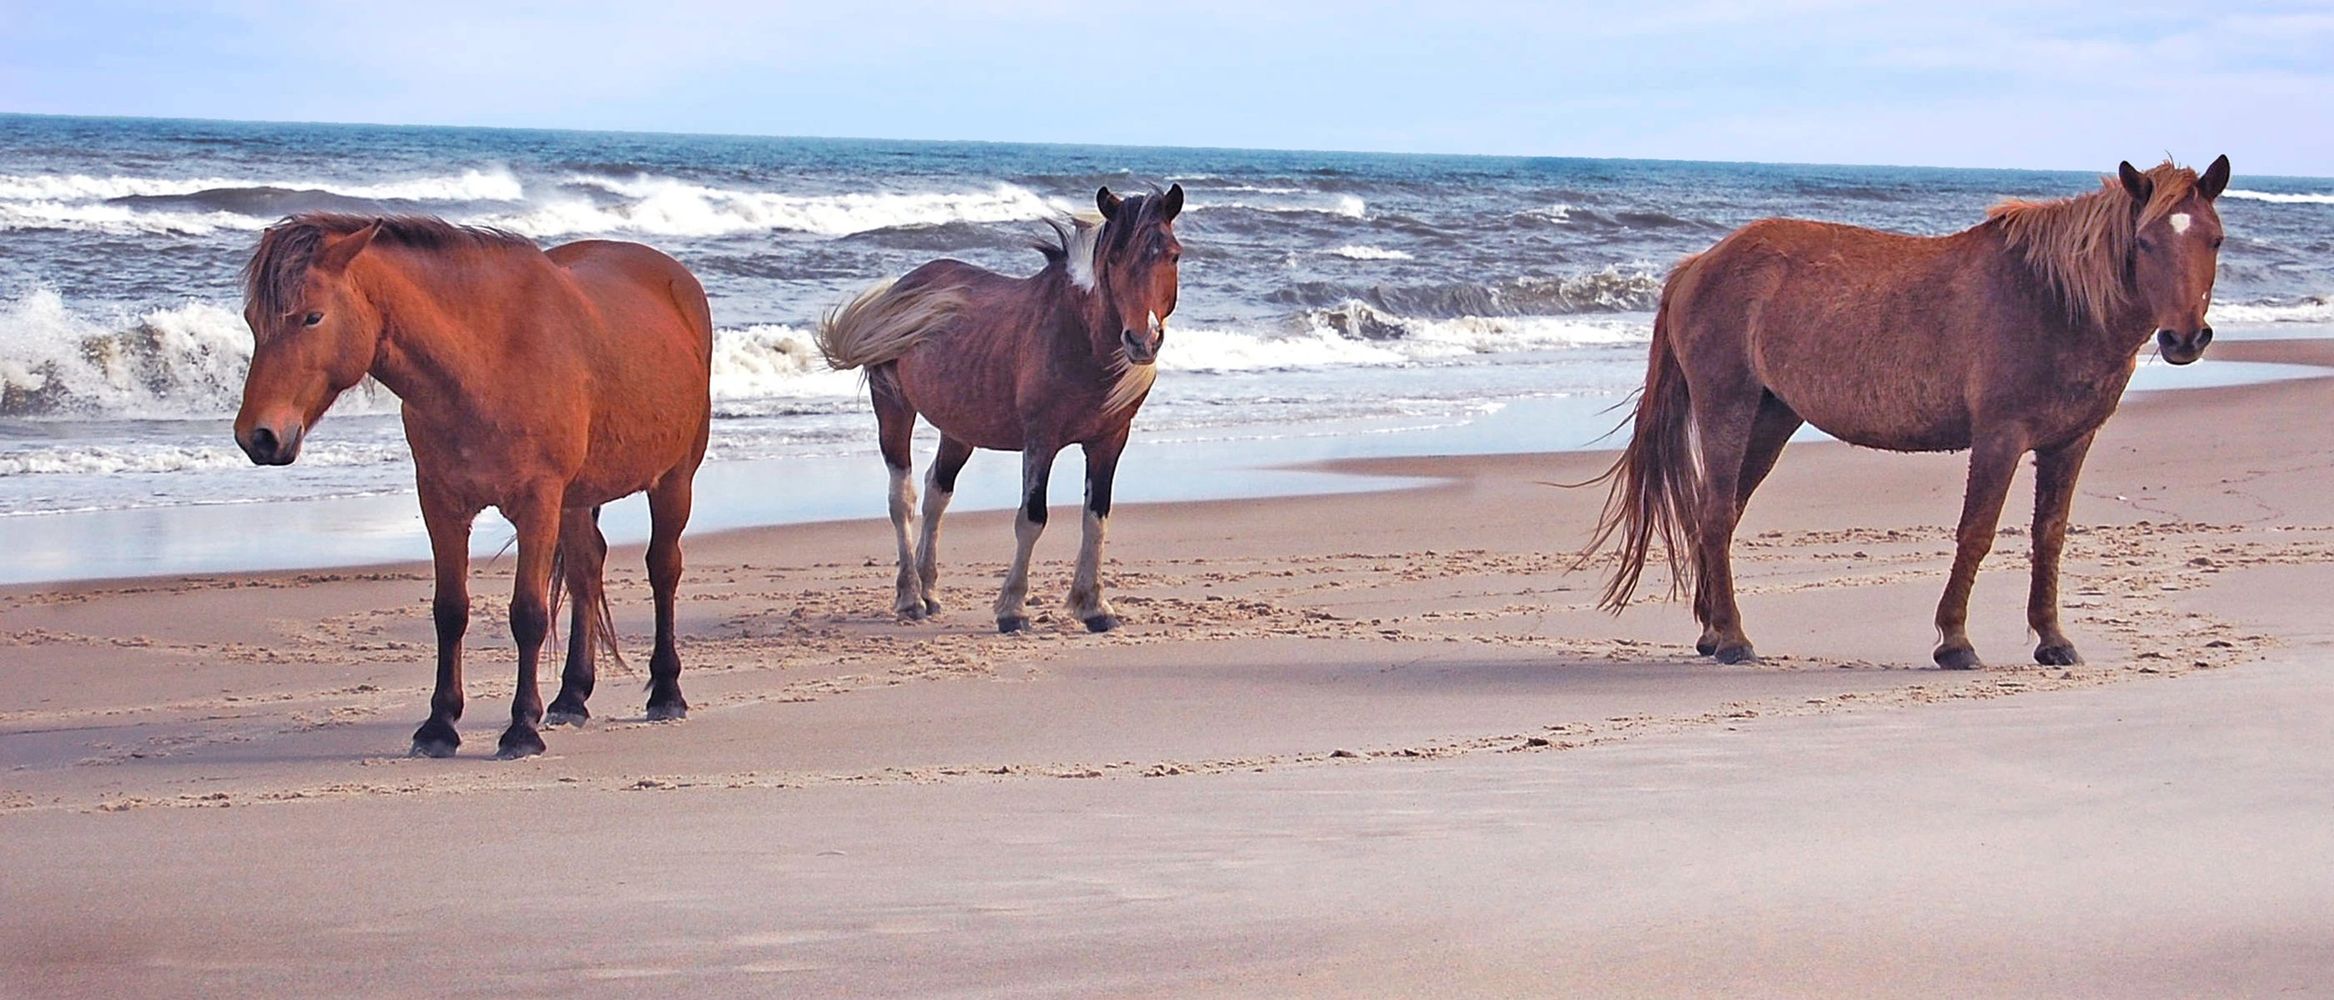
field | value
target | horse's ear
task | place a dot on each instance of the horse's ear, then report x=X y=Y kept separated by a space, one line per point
x=335 y=256
x=1171 y=203
x=2215 y=179
x=2135 y=183
x=1107 y=202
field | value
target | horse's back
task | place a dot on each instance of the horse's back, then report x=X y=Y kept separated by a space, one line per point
x=1864 y=333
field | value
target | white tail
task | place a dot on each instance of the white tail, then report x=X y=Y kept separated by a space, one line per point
x=882 y=323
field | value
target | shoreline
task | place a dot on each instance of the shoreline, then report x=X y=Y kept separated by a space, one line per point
x=384 y=530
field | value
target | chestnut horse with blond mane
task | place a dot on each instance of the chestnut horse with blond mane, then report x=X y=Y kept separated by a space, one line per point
x=541 y=383
x=1032 y=365
x=2015 y=336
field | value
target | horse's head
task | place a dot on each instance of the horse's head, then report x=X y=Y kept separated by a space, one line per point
x=2175 y=253
x=313 y=335
x=1134 y=269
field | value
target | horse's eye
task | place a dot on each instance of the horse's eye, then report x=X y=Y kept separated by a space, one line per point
x=312 y=319
x=2216 y=242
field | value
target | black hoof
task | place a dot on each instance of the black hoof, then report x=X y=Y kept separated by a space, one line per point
x=1102 y=623
x=931 y=608
x=1705 y=645
x=566 y=715
x=1737 y=653
x=1008 y=626
x=517 y=743
x=434 y=739
x=2060 y=655
x=1958 y=658
x=673 y=711
x=911 y=612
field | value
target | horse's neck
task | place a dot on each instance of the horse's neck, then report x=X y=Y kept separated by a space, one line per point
x=435 y=345
x=1079 y=314
x=2125 y=331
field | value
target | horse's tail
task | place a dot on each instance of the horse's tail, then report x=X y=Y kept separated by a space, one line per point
x=1656 y=484
x=600 y=622
x=884 y=322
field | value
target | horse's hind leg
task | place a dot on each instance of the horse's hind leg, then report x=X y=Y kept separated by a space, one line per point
x=1037 y=465
x=895 y=429
x=1724 y=419
x=939 y=488
x=1770 y=431
x=1993 y=460
x=668 y=515
x=2055 y=470
x=583 y=556
x=1086 y=600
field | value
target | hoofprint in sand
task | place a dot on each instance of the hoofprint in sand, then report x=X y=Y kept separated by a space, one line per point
x=1432 y=634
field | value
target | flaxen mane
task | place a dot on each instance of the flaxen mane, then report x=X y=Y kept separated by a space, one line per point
x=272 y=279
x=2082 y=245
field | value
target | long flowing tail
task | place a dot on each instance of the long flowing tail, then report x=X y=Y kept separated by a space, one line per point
x=600 y=624
x=884 y=322
x=1656 y=484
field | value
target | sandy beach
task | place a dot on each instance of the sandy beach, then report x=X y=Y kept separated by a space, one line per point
x=1372 y=744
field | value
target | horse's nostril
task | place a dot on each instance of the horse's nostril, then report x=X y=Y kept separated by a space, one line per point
x=2204 y=336
x=263 y=443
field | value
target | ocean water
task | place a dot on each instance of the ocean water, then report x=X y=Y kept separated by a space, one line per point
x=1325 y=294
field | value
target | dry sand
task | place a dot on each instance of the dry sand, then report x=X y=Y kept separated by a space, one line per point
x=1366 y=745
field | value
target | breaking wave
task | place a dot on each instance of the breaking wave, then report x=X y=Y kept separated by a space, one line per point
x=569 y=205
x=2282 y=198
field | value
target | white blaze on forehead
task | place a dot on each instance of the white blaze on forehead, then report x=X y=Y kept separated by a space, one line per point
x=2179 y=221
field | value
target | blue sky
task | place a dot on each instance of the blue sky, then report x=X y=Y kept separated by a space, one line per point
x=2069 y=85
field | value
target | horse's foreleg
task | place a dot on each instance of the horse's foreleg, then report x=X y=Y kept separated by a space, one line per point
x=668 y=514
x=1086 y=600
x=2055 y=470
x=1037 y=463
x=939 y=488
x=1993 y=460
x=537 y=520
x=583 y=555
x=449 y=531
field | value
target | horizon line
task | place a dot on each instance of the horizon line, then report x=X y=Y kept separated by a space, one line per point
x=2102 y=171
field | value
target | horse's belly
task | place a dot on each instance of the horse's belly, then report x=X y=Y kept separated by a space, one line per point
x=1901 y=425
x=965 y=403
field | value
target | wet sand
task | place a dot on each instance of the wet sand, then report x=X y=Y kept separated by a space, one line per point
x=1367 y=744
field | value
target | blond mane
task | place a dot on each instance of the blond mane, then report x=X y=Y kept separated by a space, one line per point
x=2081 y=246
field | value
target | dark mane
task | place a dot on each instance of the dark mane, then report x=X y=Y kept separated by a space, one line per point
x=1098 y=239
x=272 y=278
x=2081 y=246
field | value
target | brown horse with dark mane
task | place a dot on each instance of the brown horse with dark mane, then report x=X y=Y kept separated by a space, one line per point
x=1032 y=365
x=540 y=383
x=2015 y=336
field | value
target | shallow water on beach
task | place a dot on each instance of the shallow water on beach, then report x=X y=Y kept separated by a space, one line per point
x=1334 y=304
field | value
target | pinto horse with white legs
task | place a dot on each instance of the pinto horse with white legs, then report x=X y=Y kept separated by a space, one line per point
x=2015 y=336
x=1032 y=365
x=543 y=383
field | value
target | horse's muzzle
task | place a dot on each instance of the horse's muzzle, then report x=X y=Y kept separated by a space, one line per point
x=1139 y=349
x=2179 y=349
x=267 y=447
